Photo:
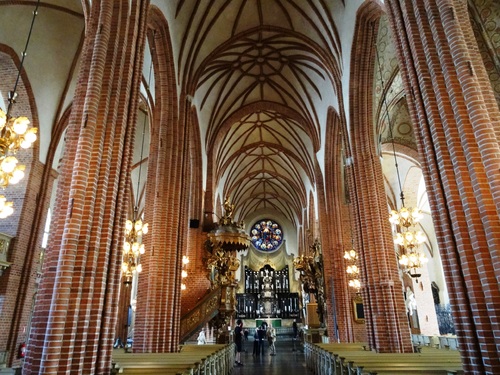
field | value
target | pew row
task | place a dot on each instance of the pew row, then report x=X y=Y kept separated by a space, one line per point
x=354 y=359
x=190 y=360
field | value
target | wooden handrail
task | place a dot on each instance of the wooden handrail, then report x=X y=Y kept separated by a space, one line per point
x=205 y=309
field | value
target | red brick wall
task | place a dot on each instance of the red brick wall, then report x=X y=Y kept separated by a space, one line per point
x=456 y=120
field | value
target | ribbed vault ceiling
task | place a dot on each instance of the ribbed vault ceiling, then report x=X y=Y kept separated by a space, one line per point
x=263 y=161
x=262 y=75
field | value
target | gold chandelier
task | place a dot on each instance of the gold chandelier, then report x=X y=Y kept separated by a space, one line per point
x=15 y=134
x=408 y=239
x=6 y=208
x=184 y=274
x=133 y=248
x=352 y=269
x=10 y=171
x=351 y=261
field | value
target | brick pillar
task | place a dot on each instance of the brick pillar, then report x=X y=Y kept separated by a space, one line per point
x=456 y=121
x=158 y=298
x=75 y=313
x=382 y=291
x=338 y=319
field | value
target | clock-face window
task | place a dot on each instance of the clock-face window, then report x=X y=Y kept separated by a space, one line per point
x=266 y=235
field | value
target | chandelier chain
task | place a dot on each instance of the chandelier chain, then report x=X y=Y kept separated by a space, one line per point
x=136 y=206
x=391 y=134
x=13 y=93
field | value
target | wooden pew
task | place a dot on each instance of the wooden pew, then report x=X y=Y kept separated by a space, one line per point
x=438 y=362
x=191 y=360
x=351 y=359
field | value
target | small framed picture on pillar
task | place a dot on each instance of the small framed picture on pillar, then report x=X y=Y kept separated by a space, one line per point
x=358 y=309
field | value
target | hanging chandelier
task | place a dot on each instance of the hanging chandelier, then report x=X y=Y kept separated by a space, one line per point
x=352 y=269
x=184 y=274
x=351 y=259
x=6 y=208
x=10 y=171
x=408 y=239
x=133 y=248
x=15 y=134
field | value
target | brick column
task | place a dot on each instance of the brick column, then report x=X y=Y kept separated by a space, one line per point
x=382 y=291
x=75 y=313
x=158 y=298
x=456 y=120
x=331 y=208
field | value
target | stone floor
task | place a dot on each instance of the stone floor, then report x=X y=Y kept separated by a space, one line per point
x=289 y=360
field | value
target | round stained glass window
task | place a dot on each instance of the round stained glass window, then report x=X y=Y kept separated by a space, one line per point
x=266 y=235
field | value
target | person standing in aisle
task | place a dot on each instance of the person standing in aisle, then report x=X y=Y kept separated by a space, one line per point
x=256 y=348
x=271 y=338
x=202 y=340
x=238 y=340
x=262 y=337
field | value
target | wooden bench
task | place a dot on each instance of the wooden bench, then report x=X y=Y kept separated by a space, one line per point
x=351 y=359
x=437 y=362
x=167 y=370
x=136 y=364
x=410 y=369
x=191 y=360
x=401 y=363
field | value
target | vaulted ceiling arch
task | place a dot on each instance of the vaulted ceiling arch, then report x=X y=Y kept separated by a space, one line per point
x=209 y=24
x=288 y=114
x=266 y=157
x=272 y=148
x=268 y=64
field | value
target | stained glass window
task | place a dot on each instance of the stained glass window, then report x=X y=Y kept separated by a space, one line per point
x=266 y=235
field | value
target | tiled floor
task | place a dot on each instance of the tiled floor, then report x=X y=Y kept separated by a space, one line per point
x=287 y=361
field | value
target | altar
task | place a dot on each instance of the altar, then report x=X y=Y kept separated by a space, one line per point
x=271 y=322
x=267 y=296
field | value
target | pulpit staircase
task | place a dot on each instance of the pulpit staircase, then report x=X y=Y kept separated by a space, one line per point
x=206 y=309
